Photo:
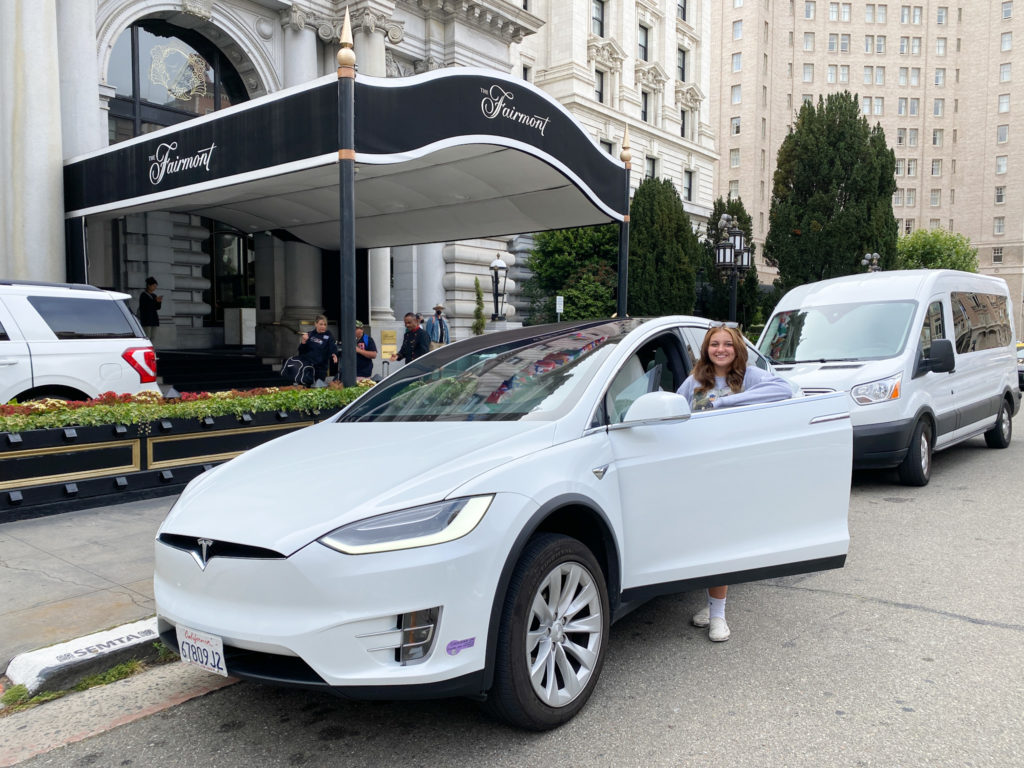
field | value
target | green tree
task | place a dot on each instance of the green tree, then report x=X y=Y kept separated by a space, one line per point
x=663 y=252
x=716 y=288
x=479 y=321
x=935 y=249
x=579 y=264
x=831 y=195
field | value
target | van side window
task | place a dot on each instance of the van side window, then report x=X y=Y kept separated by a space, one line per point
x=980 y=321
x=72 y=318
x=933 y=328
x=3 y=334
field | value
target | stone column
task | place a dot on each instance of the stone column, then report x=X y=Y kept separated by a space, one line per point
x=430 y=270
x=80 y=113
x=32 y=192
x=381 y=310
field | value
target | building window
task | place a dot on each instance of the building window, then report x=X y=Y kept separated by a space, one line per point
x=844 y=73
x=650 y=167
x=808 y=73
x=938 y=107
x=1004 y=102
x=681 y=64
x=734 y=126
x=879 y=105
x=940 y=77
x=833 y=11
x=911 y=166
x=880 y=13
x=736 y=94
x=1001 y=164
x=809 y=8
x=911 y=196
x=900 y=165
x=915 y=46
x=734 y=158
x=901 y=137
x=844 y=43
x=1008 y=9
x=915 y=76
x=845 y=10
x=916 y=16
x=869 y=43
x=914 y=106
x=935 y=198
x=606 y=146
x=902 y=77
x=597 y=17
x=936 y=137
x=912 y=137
x=1004 y=72
x=937 y=167
x=142 y=104
x=901 y=105
x=681 y=9
x=527 y=73
x=904 y=14
x=879 y=43
x=599 y=85
x=941 y=14
x=869 y=13
x=997 y=255
x=998 y=225
x=1002 y=133
x=1000 y=195
x=904 y=46
x=1006 y=41
x=642 y=37
x=940 y=46
x=734 y=188
x=687 y=185
x=865 y=105
x=831 y=73
x=645 y=100
x=908 y=226
x=897 y=197
x=737 y=62
x=879 y=75
x=809 y=41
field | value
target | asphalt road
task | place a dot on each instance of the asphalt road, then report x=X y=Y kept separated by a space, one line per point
x=912 y=655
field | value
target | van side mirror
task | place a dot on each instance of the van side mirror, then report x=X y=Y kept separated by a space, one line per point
x=941 y=358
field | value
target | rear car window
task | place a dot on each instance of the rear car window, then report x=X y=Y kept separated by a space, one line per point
x=3 y=334
x=74 y=318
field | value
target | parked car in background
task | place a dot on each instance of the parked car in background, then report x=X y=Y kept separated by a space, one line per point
x=926 y=358
x=70 y=341
x=1020 y=365
x=512 y=494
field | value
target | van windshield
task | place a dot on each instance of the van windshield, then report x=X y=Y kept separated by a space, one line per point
x=839 y=332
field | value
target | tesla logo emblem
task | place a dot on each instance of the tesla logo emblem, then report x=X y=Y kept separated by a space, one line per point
x=204 y=547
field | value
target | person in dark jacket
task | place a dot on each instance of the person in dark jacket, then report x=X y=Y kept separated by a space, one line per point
x=317 y=348
x=366 y=352
x=149 y=305
x=415 y=343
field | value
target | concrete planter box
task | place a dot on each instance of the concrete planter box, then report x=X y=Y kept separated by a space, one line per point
x=44 y=471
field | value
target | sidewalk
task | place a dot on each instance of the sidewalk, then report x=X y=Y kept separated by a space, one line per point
x=69 y=575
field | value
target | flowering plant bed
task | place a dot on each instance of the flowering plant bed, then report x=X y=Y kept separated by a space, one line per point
x=57 y=455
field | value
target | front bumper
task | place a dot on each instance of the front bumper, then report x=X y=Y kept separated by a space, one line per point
x=879 y=446
x=320 y=618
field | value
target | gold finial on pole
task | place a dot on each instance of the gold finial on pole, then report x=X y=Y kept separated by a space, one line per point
x=625 y=155
x=346 y=56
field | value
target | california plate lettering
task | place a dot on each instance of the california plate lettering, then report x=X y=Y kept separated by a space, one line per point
x=201 y=650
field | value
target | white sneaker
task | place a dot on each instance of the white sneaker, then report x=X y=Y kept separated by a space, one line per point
x=719 y=631
x=702 y=617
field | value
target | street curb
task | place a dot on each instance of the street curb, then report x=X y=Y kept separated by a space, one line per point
x=61 y=666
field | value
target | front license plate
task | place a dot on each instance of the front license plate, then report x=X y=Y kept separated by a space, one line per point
x=202 y=650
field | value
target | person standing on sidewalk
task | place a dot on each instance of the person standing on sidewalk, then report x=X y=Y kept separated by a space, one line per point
x=149 y=306
x=437 y=327
x=366 y=352
x=415 y=343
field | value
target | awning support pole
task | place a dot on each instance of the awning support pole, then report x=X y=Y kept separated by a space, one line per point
x=346 y=203
x=626 y=156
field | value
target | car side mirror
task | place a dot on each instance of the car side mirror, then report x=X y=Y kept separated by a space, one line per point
x=656 y=407
x=941 y=359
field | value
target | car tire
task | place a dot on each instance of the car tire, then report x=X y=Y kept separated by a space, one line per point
x=552 y=637
x=916 y=468
x=1000 y=435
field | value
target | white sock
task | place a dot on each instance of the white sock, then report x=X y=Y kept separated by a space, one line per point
x=716 y=607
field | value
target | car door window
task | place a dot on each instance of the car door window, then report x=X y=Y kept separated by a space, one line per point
x=3 y=334
x=657 y=365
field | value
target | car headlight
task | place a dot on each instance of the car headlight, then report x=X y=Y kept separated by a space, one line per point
x=879 y=391
x=417 y=527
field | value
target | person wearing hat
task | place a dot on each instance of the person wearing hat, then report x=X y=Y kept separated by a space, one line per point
x=437 y=327
x=366 y=352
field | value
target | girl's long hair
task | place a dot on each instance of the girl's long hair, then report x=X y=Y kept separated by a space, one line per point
x=704 y=370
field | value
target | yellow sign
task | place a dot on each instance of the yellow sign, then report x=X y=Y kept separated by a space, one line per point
x=388 y=343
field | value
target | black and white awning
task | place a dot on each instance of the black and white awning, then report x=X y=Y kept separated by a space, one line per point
x=447 y=155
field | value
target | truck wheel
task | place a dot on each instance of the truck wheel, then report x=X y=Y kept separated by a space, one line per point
x=999 y=436
x=553 y=632
x=916 y=468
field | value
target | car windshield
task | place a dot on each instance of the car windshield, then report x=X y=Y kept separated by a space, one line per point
x=538 y=377
x=836 y=332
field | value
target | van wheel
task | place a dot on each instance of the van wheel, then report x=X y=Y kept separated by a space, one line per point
x=551 y=642
x=999 y=436
x=916 y=468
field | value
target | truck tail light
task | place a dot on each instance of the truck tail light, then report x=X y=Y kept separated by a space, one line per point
x=143 y=360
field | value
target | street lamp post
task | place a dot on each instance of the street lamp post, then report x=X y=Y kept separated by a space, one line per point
x=499 y=278
x=870 y=261
x=732 y=256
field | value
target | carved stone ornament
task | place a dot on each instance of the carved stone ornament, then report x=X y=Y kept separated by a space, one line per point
x=293 y=18
x=428 y=64
x=367 y=21
x=396 y=67
x=651 y=74
x=201 y=8
x=606 y=53
x=689 y=95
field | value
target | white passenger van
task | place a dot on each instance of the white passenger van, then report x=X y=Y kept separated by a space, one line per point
x=927 y=356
